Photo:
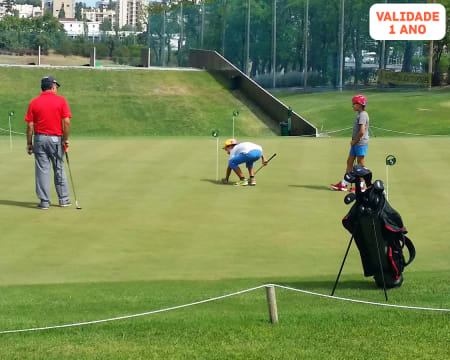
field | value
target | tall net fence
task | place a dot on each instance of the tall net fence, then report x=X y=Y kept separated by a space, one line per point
x=279 y=43
x=288 y=43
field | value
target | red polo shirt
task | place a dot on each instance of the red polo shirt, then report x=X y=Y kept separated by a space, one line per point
x=46 y=112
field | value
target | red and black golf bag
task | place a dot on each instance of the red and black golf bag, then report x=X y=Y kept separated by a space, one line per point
x=378 y=231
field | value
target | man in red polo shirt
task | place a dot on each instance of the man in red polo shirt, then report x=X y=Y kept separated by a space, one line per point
x=48 y=117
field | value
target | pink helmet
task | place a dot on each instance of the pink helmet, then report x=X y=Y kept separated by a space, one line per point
x=359 y=99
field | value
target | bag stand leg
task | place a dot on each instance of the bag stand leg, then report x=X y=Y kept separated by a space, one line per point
x=379 y=261
x=342 y=266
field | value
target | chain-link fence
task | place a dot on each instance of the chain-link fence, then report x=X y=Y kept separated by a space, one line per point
x=279 y=43
x=288 y=43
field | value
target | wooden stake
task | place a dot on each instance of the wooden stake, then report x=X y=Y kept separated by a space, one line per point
x=272 y=304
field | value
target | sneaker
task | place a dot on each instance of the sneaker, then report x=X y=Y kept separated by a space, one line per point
x=65 y=204
x=42 y=206
x=252 y=182
x=242 y=183
x=354 y=189
x=339 y=187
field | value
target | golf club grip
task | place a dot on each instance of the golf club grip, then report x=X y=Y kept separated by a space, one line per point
x=272 y=157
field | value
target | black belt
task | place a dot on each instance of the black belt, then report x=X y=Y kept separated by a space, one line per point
x=45 y=134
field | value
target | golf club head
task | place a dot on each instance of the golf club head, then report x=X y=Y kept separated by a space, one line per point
x=362 y=209
x=78 y=207
x=349 y=198
x=349 y=177
x=378 y=186
x=360 y=171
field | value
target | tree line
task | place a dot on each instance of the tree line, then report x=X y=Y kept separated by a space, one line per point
x=177 y=26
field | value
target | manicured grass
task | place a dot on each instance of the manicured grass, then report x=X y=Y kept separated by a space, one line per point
x=236 y=328
x=133 y=102
x=420 y=112
x=157 y=231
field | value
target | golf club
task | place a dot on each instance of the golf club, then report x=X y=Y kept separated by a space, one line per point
x=71 y=180
x=266 y=164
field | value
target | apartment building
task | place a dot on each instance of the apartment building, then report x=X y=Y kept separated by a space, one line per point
x=131 y=12
x=55 y=7
x=99 y=14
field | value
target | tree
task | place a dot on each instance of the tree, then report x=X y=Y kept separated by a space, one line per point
x=439 y=48
x=408 y=56
x=106 y=25
x=78 y=8
x=62 y=13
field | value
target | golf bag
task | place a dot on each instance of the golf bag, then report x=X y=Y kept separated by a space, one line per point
x=378 y=231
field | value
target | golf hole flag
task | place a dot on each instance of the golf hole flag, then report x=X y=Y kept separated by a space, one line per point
x=407 y=21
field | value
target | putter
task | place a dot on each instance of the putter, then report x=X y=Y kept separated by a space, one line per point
x=71 y=180
x=266 y=164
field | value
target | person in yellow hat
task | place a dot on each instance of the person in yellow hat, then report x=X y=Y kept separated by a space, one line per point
x=240 y=153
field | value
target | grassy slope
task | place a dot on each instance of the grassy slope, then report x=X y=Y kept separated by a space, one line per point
x=133 y=102
x=150 y=217
x=422 y=112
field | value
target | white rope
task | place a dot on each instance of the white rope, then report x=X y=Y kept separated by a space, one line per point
x=219 y=298
x=335 y=131
x=404 y=133
x=382 y=129
x=14 y=132
x=360 y=301
x=134 y=315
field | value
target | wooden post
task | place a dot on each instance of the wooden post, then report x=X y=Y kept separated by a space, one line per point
x=272 y=304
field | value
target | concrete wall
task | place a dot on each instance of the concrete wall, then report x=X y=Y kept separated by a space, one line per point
x=274 y=108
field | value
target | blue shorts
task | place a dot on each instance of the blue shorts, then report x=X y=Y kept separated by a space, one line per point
x=359 y=150
x=248 y=159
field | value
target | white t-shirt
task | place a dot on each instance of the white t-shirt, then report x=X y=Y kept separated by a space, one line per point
x=244 y=148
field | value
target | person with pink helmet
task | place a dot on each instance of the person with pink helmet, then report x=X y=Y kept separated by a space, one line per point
x=360 y=139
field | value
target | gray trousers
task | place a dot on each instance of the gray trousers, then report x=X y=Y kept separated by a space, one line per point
x=48 y=150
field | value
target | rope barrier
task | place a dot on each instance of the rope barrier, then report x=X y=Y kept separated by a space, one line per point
x=405 y=133
x=335 y=131
x=318 y=135
x=382 y=129
x=13 y=132
x=360 y=301
x=219 y=298
x=134 y=315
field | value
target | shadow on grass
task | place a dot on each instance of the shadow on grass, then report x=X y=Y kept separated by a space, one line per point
x=312 y=187
x=326 y=286
x=26 y=204
x=216 y=182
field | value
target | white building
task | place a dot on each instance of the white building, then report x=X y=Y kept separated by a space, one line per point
x=23 y=11
x=99 y=14
x=75 y=28
x=27 y=11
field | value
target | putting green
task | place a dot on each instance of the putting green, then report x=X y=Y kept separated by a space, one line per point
x=153 y=211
